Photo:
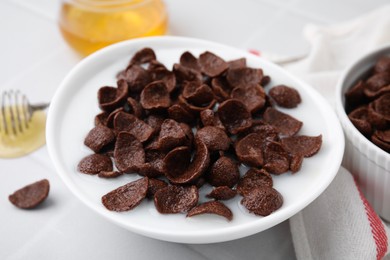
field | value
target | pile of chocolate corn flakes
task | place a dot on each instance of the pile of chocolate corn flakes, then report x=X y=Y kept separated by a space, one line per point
x=368 y=104
x=192 y=125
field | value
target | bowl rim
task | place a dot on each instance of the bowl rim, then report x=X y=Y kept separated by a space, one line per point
x=384 y=158
x=248 y=228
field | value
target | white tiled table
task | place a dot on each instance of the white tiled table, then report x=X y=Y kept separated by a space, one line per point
x=34 y=59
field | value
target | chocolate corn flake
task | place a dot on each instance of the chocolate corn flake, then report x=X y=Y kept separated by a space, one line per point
x=126 y=197
x=377 y=120
x=124 y=122
x=382 y=106
x=154 y=165
x=376 y=82
x=200 y=182
x=188 y=60
x=110 y=174
x=252 y=96
x=110 y=98
x=155 y=121
x=132 y=106
x=183 y=73
x=143 y=56
x=276 y=158
x=214 y=138
x=176 y=199
x=153 y=186
x=265 y=80
x=94 y=164
x=380 y=143
x=155 y=65
x=209 y=118
x=98 y=137
x=211 y=64
x=224 y=172
x=188 y=133
x=254 y=178
x=374 y=94
x=382 y=65
x=379 y=84
x=195 y=109
x=31 y=195
x=151 y=169
x=355 y=95
x=137 y=78
x=285 y=96
x=196 y=168
x=197 y=94
x=263 y=130
x=238 y=63
x=155 y=96
x=221 y=89
x=262 y=201
x=101 y=118
x=211 y=207
x=171 y=135
x=359 y=118
x=302 y=145
x=383 y=135
x=296 y=162
x=129 y=154
x=177 y=161
x=285 y=124
x=249 y=150
x=243 y=77
x=180 y=114
x=234 y=116
x=111 y=116
x=108 y=150
x=222 y=193
x=166 y=76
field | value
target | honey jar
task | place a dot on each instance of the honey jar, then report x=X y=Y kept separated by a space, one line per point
x=88 y=25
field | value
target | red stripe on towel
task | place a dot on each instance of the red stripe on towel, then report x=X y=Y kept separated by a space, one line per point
x=377 y=228
x=255 y=52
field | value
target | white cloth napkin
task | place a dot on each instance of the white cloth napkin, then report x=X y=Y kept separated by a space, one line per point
x=340 y=224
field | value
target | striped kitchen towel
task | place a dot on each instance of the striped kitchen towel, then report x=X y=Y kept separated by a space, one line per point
x=340 y=224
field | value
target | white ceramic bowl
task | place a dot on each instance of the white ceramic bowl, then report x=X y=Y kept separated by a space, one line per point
x=72 y=114
x=369 y=164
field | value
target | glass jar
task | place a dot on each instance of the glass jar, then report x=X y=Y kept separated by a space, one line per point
x=88 y=25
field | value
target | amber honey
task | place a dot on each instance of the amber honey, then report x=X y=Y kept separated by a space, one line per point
x=88 y=25
x=24 y=141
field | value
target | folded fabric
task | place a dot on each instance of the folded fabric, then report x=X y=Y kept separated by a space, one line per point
x=340 y=224
x=333 y=48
